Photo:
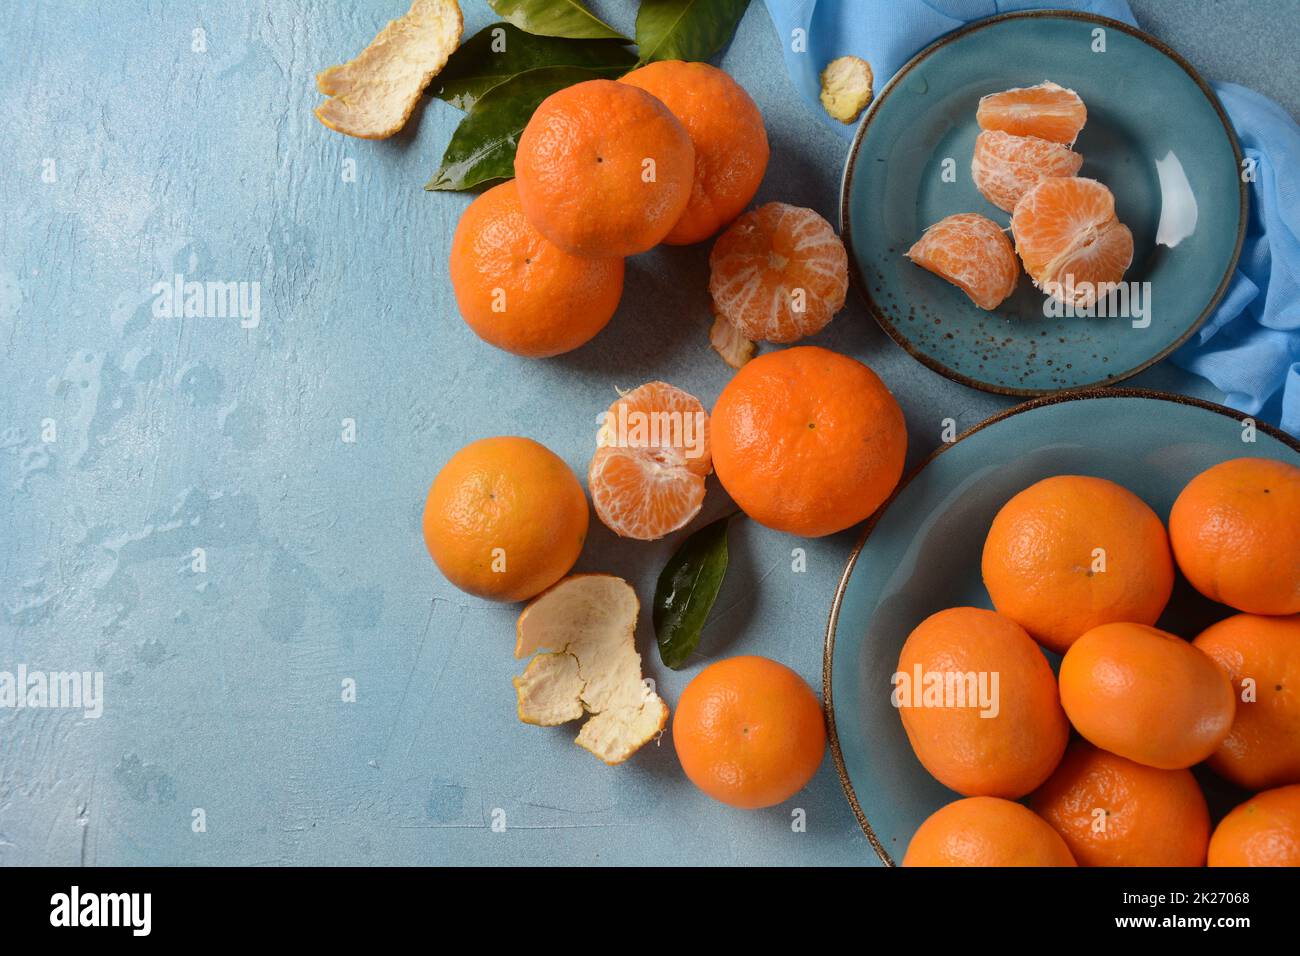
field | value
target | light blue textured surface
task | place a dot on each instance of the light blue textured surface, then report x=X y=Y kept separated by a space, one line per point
x=223 y=688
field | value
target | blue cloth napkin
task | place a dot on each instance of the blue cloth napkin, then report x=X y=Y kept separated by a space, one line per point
x=1250 y=347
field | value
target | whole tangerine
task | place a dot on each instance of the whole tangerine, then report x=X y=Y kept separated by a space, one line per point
x=1235 y=530
x=749 y=732
x=505 y=518
x=520 y=292
x=727 y=132
x=998 y=739
x=604 y=169
x=1113 y=812
x=1261 y=657
x=808 y=441
x=986 y=831
x=1146 y=695
x=1263 y=831
x=1071 y=552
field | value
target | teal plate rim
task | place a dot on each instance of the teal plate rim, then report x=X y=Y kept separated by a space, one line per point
x=846 y=182
x=1055 y=398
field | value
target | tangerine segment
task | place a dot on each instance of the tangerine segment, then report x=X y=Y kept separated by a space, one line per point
x=972 y=253
x=518 y=291
x=1069 y=239
x=1005 y=167
x=1047 y=111
x=1055 y=216
x=727 y=132
x=1084 y=274
x=604 y=169
x=652 y=454
x=779 y=273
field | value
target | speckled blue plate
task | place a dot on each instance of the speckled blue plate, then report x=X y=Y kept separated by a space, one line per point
x=1156 y=135
x=921 y=554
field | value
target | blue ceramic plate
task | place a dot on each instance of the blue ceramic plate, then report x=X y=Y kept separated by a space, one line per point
x=921 y=554
x=1156 y=135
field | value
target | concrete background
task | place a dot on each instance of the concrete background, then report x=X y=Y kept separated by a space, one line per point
x=223 y=687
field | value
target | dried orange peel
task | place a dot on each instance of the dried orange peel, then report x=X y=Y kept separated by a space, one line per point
x=584 y=628
x=372 y=95
x=846 y=88
x=730 y=343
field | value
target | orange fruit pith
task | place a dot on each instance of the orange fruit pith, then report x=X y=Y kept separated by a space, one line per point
x=727 y=132
x=1069 y=239
x=1261 y=656
x=1047 y=111
x=505 y=518
x=1235 y=530
x=520 y=292
x=1146 y=695
x=749 y=732
x=1005 y=167
x=1263 y=831
x=971 y=252
x=1003 y=743
x=1114 y=812
x=604 y=169
x=986 y=831
x=807 y=441
x=1072 y=552
x=652 y=456
x=779 y=273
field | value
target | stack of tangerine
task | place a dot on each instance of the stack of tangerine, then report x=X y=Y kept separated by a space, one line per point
x=1084 y=567
x=805 y=440
x=672 y=152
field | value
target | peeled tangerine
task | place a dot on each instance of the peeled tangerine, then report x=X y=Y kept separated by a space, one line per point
x=372 y=95
x=652 y=456
x=778 y=273
x=585 y=626
x=1005 y=167
x=972 y=253
x=1069 y=239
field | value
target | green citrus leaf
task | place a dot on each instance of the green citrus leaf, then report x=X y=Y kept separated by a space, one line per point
x=686 y=29
x=482 y=150
x=500 y=51
x=555 y=18
x=687 y=588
